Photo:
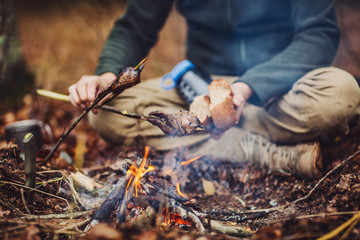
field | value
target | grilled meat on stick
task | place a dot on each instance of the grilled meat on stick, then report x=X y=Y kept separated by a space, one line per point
x=177 y=124
x=129 y=77
x=219 y=104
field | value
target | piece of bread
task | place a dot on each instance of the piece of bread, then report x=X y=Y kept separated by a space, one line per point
x=222 y=108
x=201 y=107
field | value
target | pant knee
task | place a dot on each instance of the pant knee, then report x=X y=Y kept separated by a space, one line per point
x=335 y=99
x=346 y=83
x=343 y=93
x=320 y=103
x=111 y=127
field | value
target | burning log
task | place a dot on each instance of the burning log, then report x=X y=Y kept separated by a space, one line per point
x=130 y=186
x=111 y=202
x=143 y=192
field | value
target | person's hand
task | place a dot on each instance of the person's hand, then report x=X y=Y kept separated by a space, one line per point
x=241 y=93
x=224 y=106
x=82 y=93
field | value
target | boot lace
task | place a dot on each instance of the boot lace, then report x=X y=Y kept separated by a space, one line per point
x=283 y=161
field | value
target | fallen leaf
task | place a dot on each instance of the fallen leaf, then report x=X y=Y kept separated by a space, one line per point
x=209 y=187
x=85 y=181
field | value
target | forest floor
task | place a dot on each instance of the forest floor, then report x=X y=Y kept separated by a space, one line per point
x=267 y=205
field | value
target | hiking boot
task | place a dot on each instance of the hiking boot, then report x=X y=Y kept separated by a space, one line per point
x=304 y=160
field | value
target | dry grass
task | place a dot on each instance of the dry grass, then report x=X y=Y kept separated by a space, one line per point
x=62 y=40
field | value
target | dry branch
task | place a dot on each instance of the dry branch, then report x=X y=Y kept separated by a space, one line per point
x=129 y=77
x=111 y=202
x=232 y=230
x=73 y=215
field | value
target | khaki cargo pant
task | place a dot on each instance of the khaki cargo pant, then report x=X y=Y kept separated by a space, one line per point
x=319 y=105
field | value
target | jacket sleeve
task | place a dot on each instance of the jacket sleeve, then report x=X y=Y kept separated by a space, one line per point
x=133 y=34
x=314 y=45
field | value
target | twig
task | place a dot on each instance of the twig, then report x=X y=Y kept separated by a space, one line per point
x=322 y=215
x=323 y=178
x=278 y=208
x=342 y=227
x=124 y=112
x=62 y=138
x=13 y=207
x=74 y=193
x=233 y=230
x=17 y=228
x=111 y=202
x=349 y=229
x=127 y=198
x=167 y=193
x=199 y=222
x=60 y=216
x=128 y=78
x=34 y=189
x=23 y=201
x=74 y=226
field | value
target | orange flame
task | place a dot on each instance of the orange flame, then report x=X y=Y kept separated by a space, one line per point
x=136 y=174
x=185 y=163
x=178 y=190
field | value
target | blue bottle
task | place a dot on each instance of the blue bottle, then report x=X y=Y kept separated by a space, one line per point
x=188 y=80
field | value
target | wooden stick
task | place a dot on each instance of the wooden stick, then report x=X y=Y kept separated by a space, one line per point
x=111 y=202
x=233 y=230
x=53 y=95
x=126 y=80
x=34 y=189
x=65 y=98
x=23 y=201
x=339 y=229
x=326 y=175
x=60 y=215
x=62 y=138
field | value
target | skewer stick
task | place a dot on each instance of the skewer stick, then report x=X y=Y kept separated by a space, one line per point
x=53 y=95
x=112 y=90
x=65 y=98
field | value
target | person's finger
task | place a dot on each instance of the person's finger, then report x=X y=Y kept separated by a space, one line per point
x=239 y=103
x=239 y=110
x=73 y=95
x=91 y=90
x=82 y=91
x=237 y=100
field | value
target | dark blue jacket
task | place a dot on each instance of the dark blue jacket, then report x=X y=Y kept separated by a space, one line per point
x=269 y=44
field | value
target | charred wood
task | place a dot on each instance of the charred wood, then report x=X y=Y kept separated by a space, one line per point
x=111 y=202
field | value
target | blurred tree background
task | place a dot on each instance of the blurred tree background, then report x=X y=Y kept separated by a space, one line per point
x=15 y=79
x=61 y=40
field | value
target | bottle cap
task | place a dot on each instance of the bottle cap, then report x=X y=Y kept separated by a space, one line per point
x=170 y=80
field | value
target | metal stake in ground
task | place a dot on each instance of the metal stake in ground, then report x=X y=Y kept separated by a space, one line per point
x=129 y=77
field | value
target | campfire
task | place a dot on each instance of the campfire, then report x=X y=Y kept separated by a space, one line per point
x=154 y=193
